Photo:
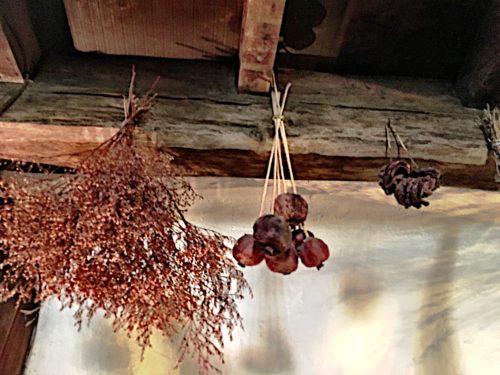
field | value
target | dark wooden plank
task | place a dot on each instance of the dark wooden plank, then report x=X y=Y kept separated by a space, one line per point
x=19 y=50
x=15 y=339
x=479 y=81
x=7 y=317
x=9 y=70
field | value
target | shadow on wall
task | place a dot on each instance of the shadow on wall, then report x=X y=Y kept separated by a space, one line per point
x=274 y=353
x=436 y=348
x=359 y=290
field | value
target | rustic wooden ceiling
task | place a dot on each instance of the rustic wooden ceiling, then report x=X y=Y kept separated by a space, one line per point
x=427 y=38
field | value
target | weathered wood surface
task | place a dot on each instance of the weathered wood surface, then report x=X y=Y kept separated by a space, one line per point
x=260 y=32
x=9 y=71
x=19 y=50
x=192 y=29
x=479 y=81
x=15 y=339
x=335 y=124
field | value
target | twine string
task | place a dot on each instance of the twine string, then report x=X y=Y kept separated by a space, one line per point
x=276 y=159
x=399 y=143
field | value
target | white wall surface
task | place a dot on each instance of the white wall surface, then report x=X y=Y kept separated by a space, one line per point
x=405 y=292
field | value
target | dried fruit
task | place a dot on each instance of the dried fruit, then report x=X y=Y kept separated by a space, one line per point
x=245 y=253
x=314 y=252
x=284 y=263
x=273 y=233
x=298 y=237
x=292 y=207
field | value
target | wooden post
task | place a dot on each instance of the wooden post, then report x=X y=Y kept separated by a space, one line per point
x=260 y=31
x=479 y=81
x=19 y=50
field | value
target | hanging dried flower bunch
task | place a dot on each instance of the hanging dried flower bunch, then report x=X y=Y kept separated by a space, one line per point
x=280 y=238
x=114 y=237
x=409 y=184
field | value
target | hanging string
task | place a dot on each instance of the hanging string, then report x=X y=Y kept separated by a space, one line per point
x=399 y=143
x=276 y=160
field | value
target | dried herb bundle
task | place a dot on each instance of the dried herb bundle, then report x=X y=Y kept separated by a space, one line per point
x=114 y=237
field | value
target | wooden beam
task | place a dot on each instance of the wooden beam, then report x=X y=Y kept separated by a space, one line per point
x=260 y=31
x=19 y=50
x=335 y=124
x=479 y=81
x=9 y=70
x=15 y=339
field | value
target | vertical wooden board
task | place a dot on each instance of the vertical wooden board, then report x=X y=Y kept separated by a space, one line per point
x=188 y=29
x=15 y=338
x=260 y=31
x=17 y=41
x=7 y=317
x=9 y=71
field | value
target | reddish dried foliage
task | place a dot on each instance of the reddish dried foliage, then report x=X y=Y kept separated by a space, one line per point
x=114 y=237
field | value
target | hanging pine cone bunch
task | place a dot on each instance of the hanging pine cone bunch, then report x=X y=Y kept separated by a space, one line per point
x=409 y=184
x=114 y=237
x=409 y=187
x=280 y=237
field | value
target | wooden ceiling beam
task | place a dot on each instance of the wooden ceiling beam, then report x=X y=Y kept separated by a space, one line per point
x=335 y=124
x=259 y=39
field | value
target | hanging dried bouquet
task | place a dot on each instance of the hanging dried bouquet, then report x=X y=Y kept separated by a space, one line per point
x=113 y=236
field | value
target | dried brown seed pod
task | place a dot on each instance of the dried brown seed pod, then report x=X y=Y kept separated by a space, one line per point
x=273 y=233
x=284 y=263
x=245 y=253
x=293 y=207
x=314 y=253
x=415 y=193
x=391 y=174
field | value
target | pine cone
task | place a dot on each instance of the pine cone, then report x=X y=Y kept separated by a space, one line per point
x=409 y=187
x=392 y=173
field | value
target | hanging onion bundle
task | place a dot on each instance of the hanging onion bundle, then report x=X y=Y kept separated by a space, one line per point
x=114 y=237
x=280 y=237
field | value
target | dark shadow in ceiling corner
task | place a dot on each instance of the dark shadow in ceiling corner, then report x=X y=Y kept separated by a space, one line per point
x=298 y=22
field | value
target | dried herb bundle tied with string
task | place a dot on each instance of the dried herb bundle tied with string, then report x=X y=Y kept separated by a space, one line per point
x=114 y=237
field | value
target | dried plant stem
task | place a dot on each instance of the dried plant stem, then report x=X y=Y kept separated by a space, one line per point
x=398 y=140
